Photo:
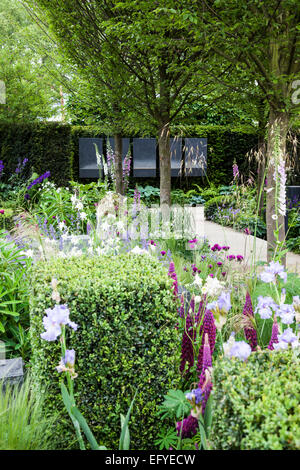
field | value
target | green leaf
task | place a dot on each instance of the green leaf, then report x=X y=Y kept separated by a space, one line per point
x=176 y=401
x=125 y=436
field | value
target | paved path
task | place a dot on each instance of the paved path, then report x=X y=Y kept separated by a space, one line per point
x=242 y=244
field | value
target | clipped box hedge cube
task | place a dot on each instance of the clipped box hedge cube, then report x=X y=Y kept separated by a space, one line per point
x=256 y=404
x=126 y=341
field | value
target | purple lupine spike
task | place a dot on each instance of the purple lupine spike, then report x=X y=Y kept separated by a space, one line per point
x=207 y=361
x=199 y=314
x=208 y=327
x=173 y=276
x=192 y=305
x=187 y=350
x=181 y=310
x=189 y=427
x=250 y=333
x=274 y=335
x=206 y=388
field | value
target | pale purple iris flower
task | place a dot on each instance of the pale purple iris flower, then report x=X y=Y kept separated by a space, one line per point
x=67 y=363
x=196 y=394
x=53 y=321
x=223 y=303
x=271 y=271
x=265 y=307
x=286 y=313
x=286 y=338
x=241 y=350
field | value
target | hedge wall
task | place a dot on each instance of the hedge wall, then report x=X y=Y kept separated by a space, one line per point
x=54 y=146
x=126 y=342
x=256 y=404
x=223 y=147
x=48 y=146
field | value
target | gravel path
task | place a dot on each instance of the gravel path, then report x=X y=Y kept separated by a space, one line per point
x=242 y=244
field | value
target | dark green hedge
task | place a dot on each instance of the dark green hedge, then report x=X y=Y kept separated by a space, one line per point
x=55 y=147
x=126 y=341
x=46 y=145
x=256 y=404
x=224 y=145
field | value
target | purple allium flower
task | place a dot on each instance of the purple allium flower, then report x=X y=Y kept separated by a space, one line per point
x=230 y=257
x=189 y=427
x=274 y=335
x=247 y=231
x=250 y=333
x=210 y=266
x=211 y=275
x=163 y=253
x=219 y=263
x=239 y=258
x=241 y=350
x=2 y=211
x=226 y=248
x=223 y=274
x=216 y=247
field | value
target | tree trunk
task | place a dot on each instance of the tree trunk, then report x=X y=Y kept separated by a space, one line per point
x=164 y=164
x=276 y=152
x=118 y=163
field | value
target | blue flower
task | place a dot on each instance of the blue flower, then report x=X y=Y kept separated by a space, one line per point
x=265 y=306
x=53 y=321
x=241 y=350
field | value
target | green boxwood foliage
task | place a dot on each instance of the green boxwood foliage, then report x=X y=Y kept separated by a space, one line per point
x=6 y=219
x=256 y=404
x=126 y=342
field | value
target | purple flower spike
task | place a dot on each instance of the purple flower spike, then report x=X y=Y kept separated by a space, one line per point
x=173 y=275
x=250 y=333
x=274 y=335
x=187 y=350
x=208 y=327
x=189 y=427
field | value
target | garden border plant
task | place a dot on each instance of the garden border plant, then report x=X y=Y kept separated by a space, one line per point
x=126 y=339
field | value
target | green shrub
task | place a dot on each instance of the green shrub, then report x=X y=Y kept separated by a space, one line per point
x=126 y=341
x=14 y=304
x=6 y=219
x=256 y=404
x=212 y=206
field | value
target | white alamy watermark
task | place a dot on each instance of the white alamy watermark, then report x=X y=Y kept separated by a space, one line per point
x=296 y=94
x=2 y=92
x=154 y=222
